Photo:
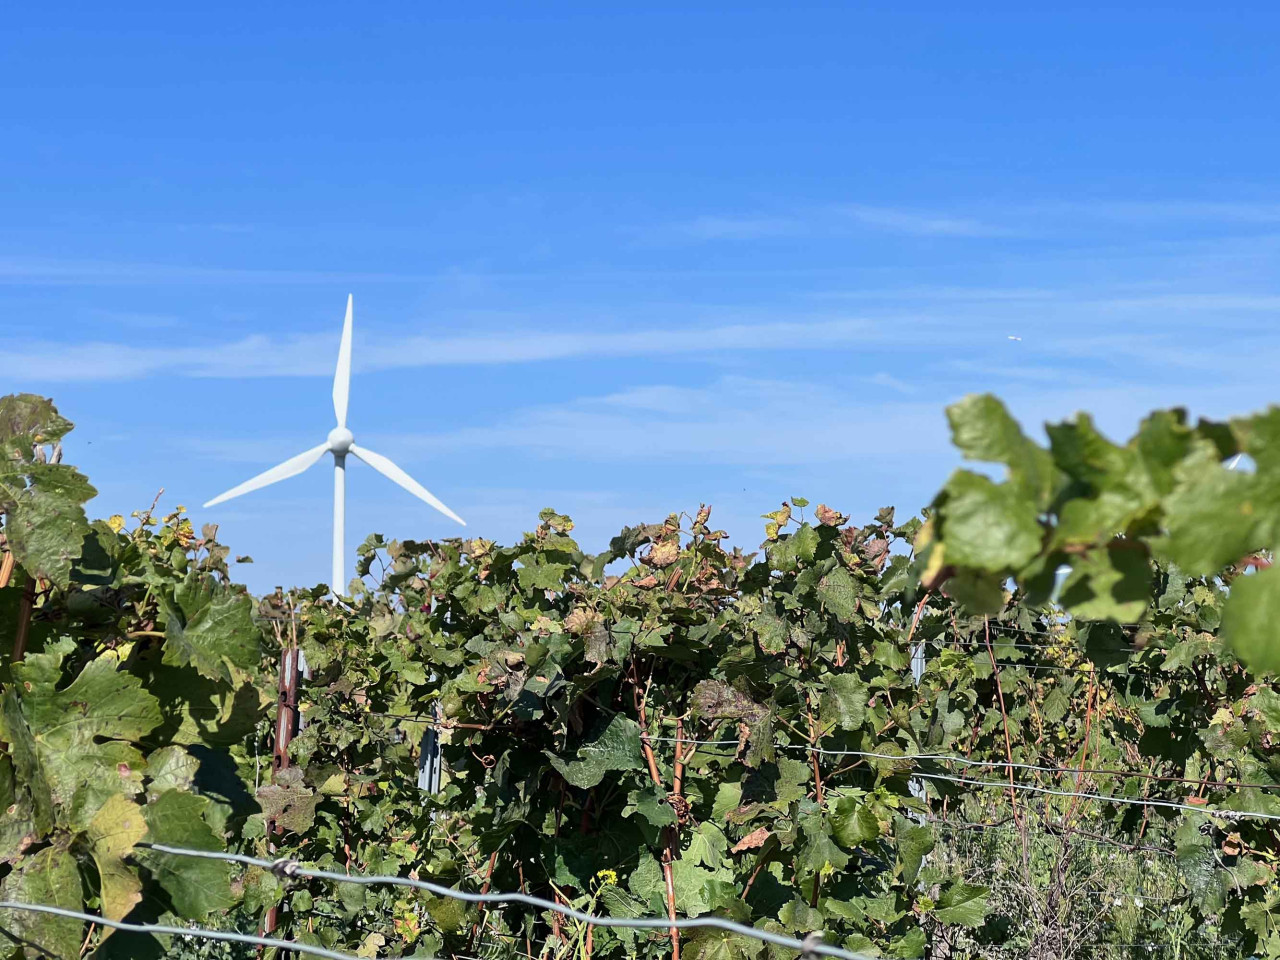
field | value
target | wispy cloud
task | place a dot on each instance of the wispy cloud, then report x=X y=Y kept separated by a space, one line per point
x=1174 y=330
x=942 y=294
x=838 y=219
x=1145 y=211
x=38 y=271
x=920 y=223
x=750 y=423
x=262 y=356
x=893 y=383
x=740 y=228
x=995 y=221
x=733 y=421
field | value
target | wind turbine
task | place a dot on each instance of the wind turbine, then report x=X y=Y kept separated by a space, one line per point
x=340 y=442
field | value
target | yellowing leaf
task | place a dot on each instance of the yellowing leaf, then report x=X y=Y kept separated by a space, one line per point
x=118 y=826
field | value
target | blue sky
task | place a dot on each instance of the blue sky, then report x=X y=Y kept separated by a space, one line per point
x=618 y=260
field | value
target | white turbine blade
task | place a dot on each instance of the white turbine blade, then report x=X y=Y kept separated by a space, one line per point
x=342 y=376
x=290 y=468
x=396 y=475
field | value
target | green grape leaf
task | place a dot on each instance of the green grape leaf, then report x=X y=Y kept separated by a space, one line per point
x=839 y=594
x=707 y=846
x=208 y=625
x=1217 y=516
x=652 y=805
x=1199 y=866
x=74 y=746
x=698 y=889
x=853 y=822
x=1259 y=435
x=49 y=877
x=805 y=541
x=963 y=904
x=909 y=946
x=983 y=429
x=987 y=526
x=844 y=702
x=197 y=887
x=819 y=854
x=977 y=591
x=613 y=745
x=542 y=576
x=1266 y=703
x=914 y=841
x=17 y=824
x=1250 y=617
x=171 y=768
x=42 y=503
x=720 y=945
x=771 y=631
x=1109 y=584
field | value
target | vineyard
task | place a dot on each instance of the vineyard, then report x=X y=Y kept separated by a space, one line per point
x=1036 y=721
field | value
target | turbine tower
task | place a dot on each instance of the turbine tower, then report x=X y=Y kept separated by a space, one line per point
x=340 y=442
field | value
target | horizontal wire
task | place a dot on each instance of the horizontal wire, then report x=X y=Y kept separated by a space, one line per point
x=1137 y=801
x=992 y=764
x=1133 y=801
x=1055 y=830
x=177 y=931
x=293 y=868
x=939 y=757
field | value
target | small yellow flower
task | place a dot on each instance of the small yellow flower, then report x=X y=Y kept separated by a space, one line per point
x=116 y=523
x=607 y=877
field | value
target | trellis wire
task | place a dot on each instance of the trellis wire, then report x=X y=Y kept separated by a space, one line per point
x=991 y=764
x=162 y=928
x=956 y=827
x=937 y=757
x=1134 y=801
x=1002 y=784
x=812 y=945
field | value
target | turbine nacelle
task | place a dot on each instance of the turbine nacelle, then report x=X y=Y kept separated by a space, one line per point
x=340 y=441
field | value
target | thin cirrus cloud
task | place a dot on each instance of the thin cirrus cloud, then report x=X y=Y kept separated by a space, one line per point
x=751 y=423
x=1000 y=221
x=735 y=421
x=920 y=223
x=1068 y=326
x=23 y=271
x=1149 y=211
x=834 y=220
x=262 y=356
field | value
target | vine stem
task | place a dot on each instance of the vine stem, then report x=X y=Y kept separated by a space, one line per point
x=528 y=943
x=760 y=864
x=87 y=937
x=817 y=781
x=1008 y=741
x=673 y=835
x=484 y=910
x=677 y=781
x=1084 y=750
x=668 y=856
x=915 y=620
x=25 y=608
x=645 y=745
